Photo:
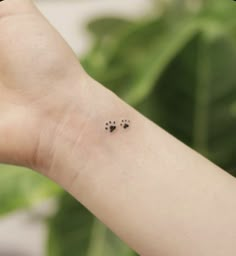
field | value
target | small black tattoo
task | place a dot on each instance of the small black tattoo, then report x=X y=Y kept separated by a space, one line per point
x=111 y=126
x=125 y=124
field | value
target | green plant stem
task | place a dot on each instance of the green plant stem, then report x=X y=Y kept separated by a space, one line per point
x=98 y=238
x=200 y=127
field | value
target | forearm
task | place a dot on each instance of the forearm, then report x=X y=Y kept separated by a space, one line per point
x=158 y=195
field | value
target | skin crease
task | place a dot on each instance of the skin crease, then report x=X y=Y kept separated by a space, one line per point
x=159 y=196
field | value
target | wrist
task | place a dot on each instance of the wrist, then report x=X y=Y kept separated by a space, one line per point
x=56 y=114
x=75 y=135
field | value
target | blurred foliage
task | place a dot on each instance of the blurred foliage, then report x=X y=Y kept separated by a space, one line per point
x=176 y=66
x=22 y=188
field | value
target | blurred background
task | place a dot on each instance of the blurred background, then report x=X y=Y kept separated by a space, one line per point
x=173 y=60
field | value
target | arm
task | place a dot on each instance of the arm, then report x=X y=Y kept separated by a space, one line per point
x=158 y=195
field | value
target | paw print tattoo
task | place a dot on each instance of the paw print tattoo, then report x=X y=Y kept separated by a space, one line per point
x=125 y=124
x=110 y=126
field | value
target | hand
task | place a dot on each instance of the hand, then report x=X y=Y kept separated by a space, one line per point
x=39 y=76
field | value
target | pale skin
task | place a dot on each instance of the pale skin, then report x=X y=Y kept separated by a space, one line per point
x=158 y=195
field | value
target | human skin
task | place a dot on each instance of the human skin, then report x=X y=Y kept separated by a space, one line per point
x=158 y=195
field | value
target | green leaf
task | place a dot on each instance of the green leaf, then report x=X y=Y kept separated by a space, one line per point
x=166 y=47
x=75 y=231
x=21 y=188
x=194 y=100
x=108 y=26
x=133 y=61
